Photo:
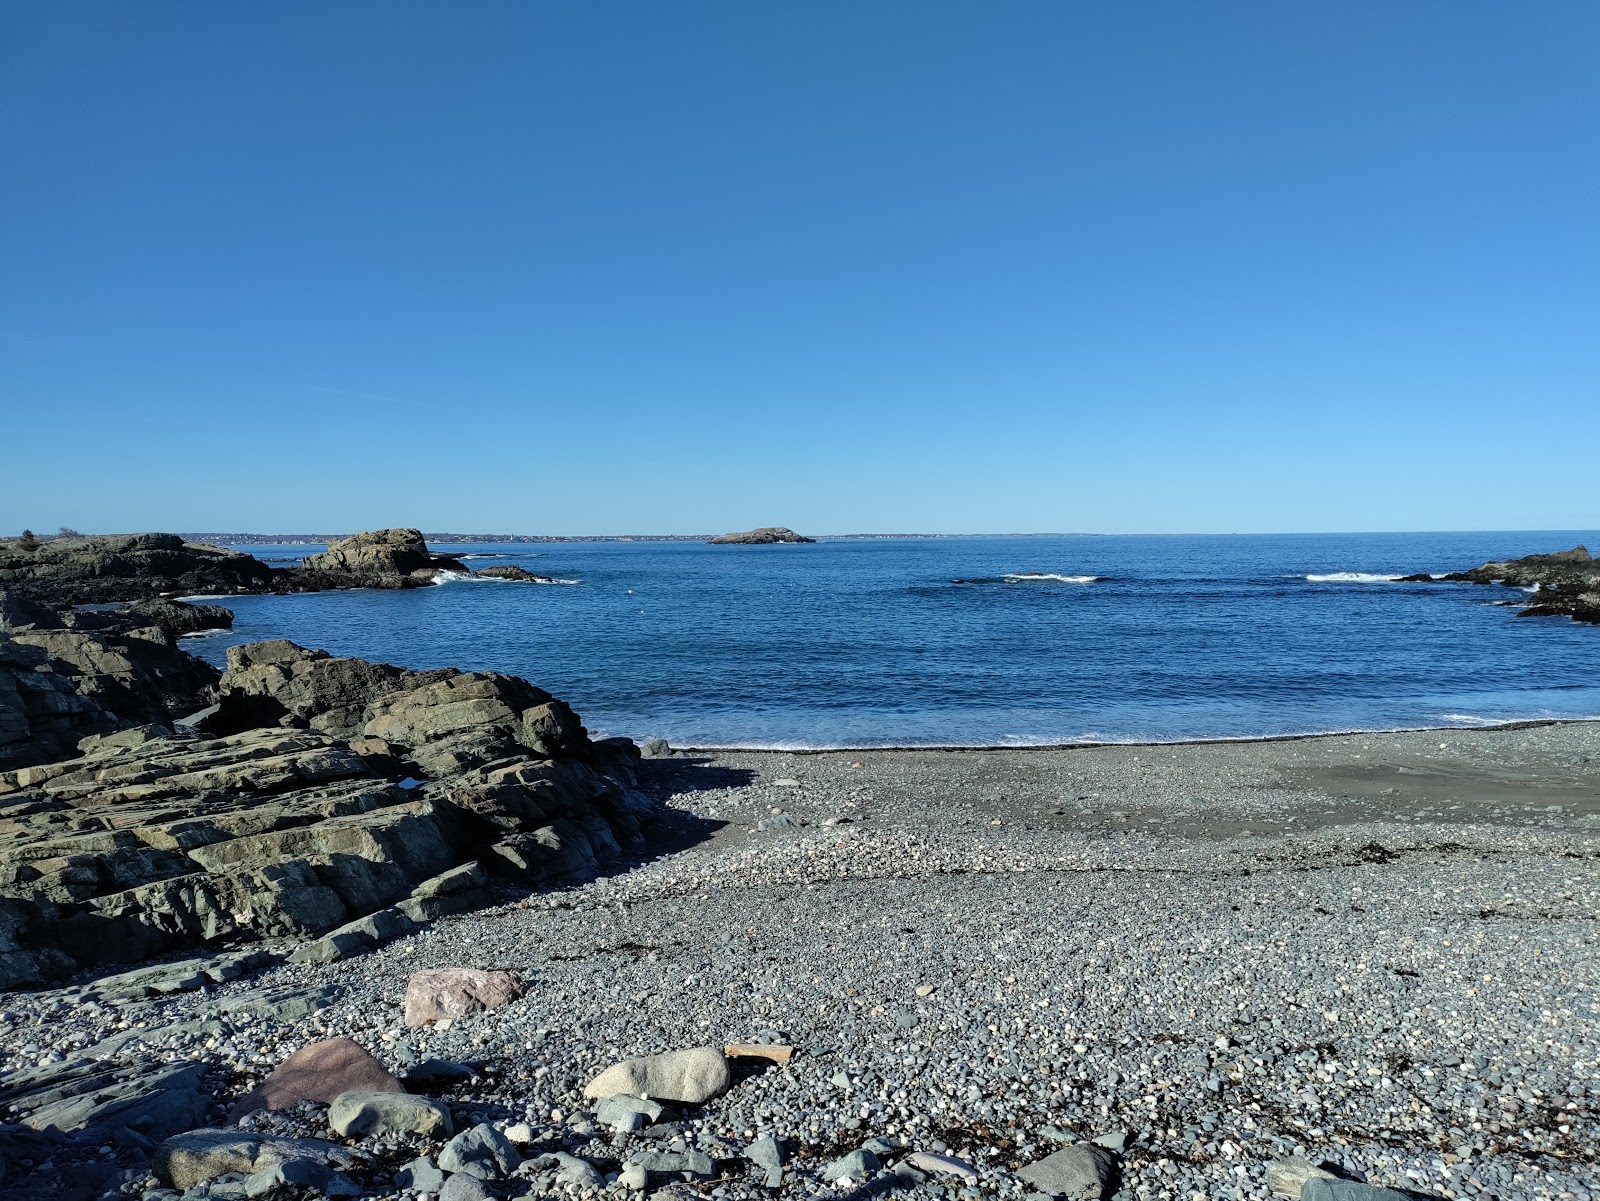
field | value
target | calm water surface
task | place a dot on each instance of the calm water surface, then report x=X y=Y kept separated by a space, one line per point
x=873 y=643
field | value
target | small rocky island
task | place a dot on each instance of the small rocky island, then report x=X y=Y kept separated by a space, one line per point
x=767 y=535
x=1566 y=583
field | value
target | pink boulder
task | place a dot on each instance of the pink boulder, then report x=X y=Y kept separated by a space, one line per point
x=319 y=1073
x=441 y=994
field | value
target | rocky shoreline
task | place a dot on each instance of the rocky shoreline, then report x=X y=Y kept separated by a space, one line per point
x=1564 y=584
x=108 y=569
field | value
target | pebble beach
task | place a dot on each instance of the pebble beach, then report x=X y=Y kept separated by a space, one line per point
x=1373 y=953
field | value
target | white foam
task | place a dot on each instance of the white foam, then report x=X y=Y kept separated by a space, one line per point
x=1028 y=577
x=1351 y=577
x=468 y=577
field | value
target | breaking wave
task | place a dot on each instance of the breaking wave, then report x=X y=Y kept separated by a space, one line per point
x=1351 y=577
x=1029 y=577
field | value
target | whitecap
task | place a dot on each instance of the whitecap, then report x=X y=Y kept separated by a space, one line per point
x=1028 y=577
x=1351 y=577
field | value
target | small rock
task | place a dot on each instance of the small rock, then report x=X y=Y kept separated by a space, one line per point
x=858 y=1165
x=767 y=1153
x=291 y=1174
x=625 y=1111
x=633 y=1176
x=1330 y=1188
x=464 y=1187
x=420 y=1176
x=482 y=1152
x=578 y=1172
x=942 y=1165
x=1286 y=1177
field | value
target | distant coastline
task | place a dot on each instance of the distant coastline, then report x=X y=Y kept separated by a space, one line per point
x=473 y=539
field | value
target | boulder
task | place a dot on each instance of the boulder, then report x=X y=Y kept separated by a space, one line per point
x=440 y=994
x=482 y=1152
x=1081 y=1171
x=200 y=1156
x=765 y=536
x=358 y=1113
x=319 y=1072
x=690 y=1076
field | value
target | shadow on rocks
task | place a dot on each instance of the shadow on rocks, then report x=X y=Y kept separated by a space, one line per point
x=666 y=778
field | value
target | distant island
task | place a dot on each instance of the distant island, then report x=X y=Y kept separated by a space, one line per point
x=767 y=535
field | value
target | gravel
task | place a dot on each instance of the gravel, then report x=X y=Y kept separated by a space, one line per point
x=1376 y=952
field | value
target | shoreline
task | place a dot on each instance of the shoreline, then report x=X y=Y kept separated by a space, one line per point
x=1223 y=740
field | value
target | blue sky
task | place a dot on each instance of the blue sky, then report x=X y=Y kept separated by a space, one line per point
x=677 y=267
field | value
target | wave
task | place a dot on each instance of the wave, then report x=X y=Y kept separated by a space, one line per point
x=468 y=577
x=1351 y=577
x=531 y=554
x=1028 y=577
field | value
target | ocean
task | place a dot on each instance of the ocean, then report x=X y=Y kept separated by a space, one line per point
x=927 y=642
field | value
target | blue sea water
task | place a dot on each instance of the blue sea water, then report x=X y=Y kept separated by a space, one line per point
x=873 y=643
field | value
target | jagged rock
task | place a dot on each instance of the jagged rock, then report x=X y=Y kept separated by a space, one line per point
x=395 y=558
x=766 y=535
x=199 y=1156
x=156 y=840
x=690 y=1076
x=84 y=1094
x=1568 y=582
x=511 y=572
x=442 y=994
x=356 y=938
x=120 y=567
x=1286 y=1177
x=319 y=1072
x=42 y=716
x=269 y=682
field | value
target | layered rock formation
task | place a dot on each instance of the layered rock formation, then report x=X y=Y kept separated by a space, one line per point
x=64 y=676
x=766 y=535
x=94 y=570
x=326 y=797
x=1568 y=582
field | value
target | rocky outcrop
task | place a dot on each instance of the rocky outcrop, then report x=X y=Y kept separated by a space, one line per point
x=1567 y=582
x=67 y=676
x=396 y=558
x=325 y=794
x=509 y=572
x=766 y=535
x=120 y=567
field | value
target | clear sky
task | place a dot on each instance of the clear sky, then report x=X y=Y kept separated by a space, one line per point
x=677 y=266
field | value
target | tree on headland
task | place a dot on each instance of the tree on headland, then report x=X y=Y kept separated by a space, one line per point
x=67 y=531
x=28 y=541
